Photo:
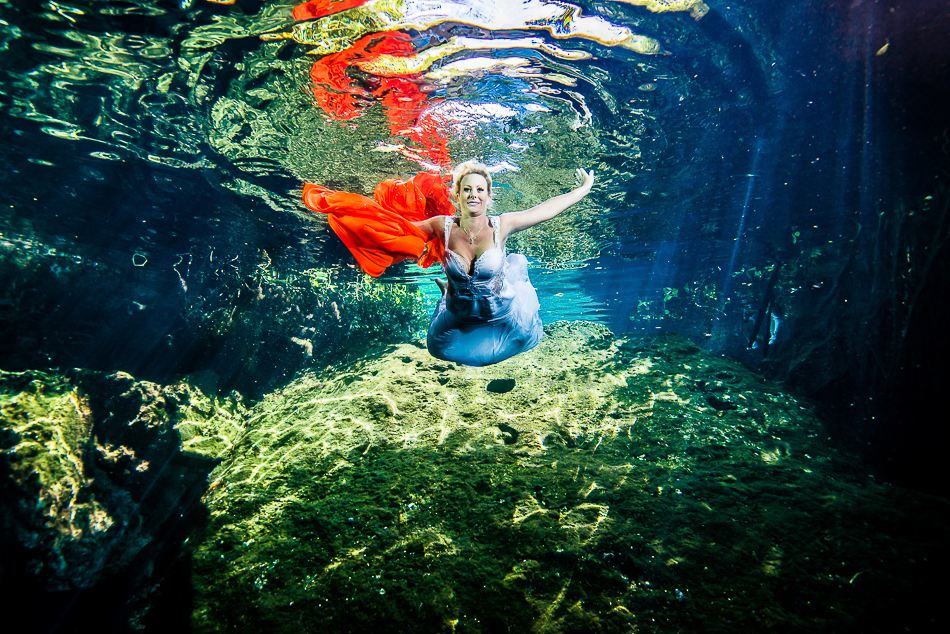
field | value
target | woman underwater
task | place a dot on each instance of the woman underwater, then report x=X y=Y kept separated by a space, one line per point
x=489 y=309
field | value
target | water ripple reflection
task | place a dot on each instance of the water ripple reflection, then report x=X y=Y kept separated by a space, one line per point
x=257 y=96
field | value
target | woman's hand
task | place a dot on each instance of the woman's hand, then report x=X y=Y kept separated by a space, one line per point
x=585 y=178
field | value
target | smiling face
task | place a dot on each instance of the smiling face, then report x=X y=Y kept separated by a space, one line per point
x=473 y=194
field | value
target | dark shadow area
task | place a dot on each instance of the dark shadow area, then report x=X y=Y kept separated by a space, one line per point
x=116 y=604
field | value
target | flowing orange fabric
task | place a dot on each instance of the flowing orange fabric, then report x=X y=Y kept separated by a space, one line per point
x=319 y=8
x=380 y=232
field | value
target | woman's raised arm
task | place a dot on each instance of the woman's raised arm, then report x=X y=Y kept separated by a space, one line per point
x=521 y=220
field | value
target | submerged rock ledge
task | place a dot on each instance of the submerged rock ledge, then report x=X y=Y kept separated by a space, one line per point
x=98 y=488
x=593 y=484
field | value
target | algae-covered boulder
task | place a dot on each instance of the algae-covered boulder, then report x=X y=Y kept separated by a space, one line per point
x=594 y=484
x=92 y=468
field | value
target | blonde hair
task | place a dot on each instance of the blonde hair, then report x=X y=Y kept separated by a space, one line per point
x=464 y=169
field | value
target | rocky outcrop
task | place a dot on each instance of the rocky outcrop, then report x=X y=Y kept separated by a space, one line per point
x=96 y=471
x=593 y=484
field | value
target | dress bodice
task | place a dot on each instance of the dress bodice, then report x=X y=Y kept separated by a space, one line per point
x=489 y=315
x=484 y=294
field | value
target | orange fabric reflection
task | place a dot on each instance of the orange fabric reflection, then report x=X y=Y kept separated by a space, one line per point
x=401 y=97
x=380 y=232
x=319 y=8
x=333 y=88
x=404 y=104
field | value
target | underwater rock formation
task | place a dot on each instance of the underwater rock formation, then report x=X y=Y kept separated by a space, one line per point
x=616 y=485
x=94 y=473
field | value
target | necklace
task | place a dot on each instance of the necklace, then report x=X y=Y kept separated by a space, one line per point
x=471 y=238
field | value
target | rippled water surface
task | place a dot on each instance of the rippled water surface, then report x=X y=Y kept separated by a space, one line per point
x=172 y=140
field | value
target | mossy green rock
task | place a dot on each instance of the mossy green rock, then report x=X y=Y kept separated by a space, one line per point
x=616 y=486
x=91 y=467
